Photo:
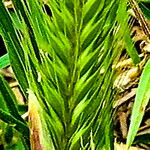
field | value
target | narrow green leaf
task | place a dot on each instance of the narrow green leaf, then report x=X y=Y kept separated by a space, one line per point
x=145 y=10
x=146 y=1
x=141 y=101
x=20 y=8
x=13 y=45
x=18 y=125
x=125 y=30
x=4 y=61
x=10 y=99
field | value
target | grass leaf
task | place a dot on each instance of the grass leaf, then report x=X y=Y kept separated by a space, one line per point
x=124 y=28
x=4 y=61
x=10 y=99
x=13 y=46
x=18 y=125
x=141 y=101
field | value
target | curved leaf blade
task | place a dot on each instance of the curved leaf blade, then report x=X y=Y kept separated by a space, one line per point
x=141 y=101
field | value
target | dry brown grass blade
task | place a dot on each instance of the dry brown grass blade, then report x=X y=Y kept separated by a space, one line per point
x=140 y=17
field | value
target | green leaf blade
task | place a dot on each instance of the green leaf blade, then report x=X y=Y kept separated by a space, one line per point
x=10 y=99
x=4 y=61
x=141 y=101
x=18 y=125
